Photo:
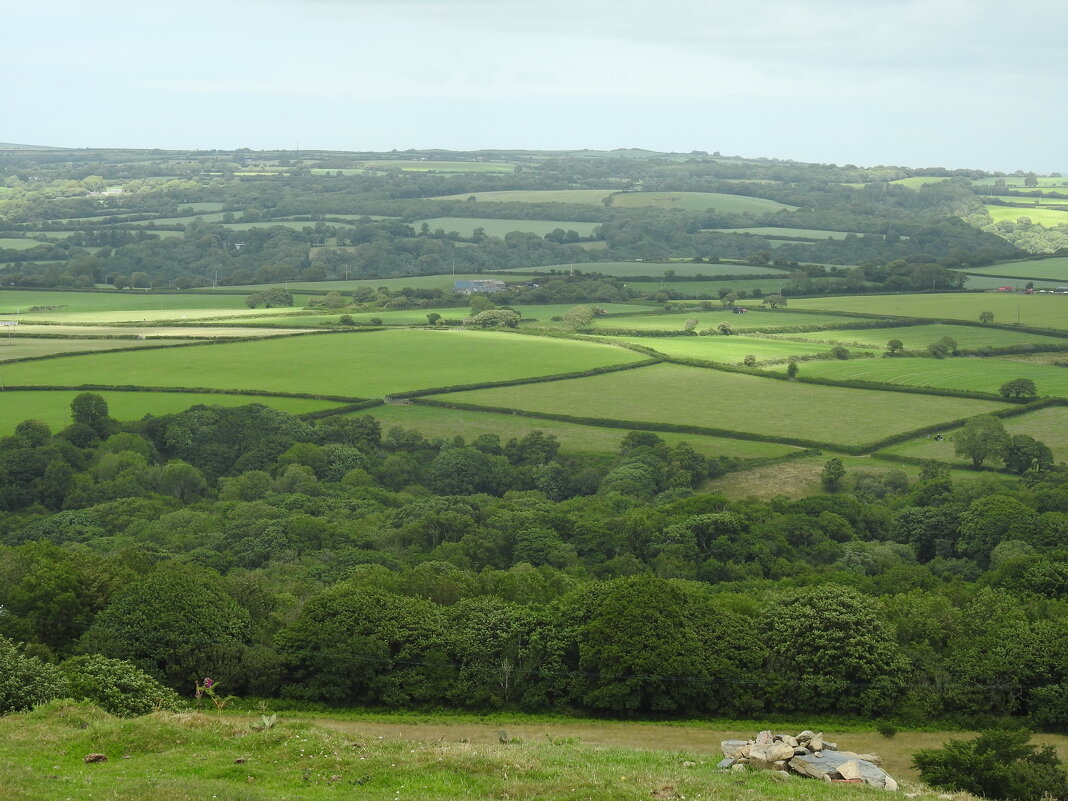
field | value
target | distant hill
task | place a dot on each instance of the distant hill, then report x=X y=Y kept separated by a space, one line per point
x=12 y=146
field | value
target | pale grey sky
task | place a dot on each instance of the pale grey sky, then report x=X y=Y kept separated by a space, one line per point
x=955 y=83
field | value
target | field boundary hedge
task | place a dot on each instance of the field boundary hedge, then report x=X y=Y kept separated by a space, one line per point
x=260 y=393
x=511 y=382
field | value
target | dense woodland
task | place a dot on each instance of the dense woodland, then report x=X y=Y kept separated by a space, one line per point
x=113 y=237
x=331 y=561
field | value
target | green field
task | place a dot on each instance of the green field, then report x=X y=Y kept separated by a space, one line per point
x=698 y=201
x=175 y=315
x=1048 y=425
x=12 y=300
x=1055 y=269
x=753 y=320
x=1031 y=201
x=730 y=350
x=412 y=165
x=589 y=197
x=1041 y=216
x=443 y=281
x=797 y=233
x=1039 y=311
x=915 y=337
x=972 y=374
x=21 y=347
x=1044 y=182
x=366 y=364
x=493 y=227
x=993 y=282
x=712 y=398
x=709 y=290
x=53 y=406
x=18 y=244
x=434 y=421
x=916 y=181
x=628 y=269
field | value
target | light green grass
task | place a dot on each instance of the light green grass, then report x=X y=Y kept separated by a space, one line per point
x=1040 y=216
x=992 y=282
x=150 y=315
x=915 y=337
x=23 y=347
x=367 y=364
x=167 y=757
x=712 y=398
x=492 y=227
x=1031 y=201
x=917 y=181
x=1055 y=269
x=215 y=216
x=730 y=350
x=412 y=165
x=434 y=421
x=18 y=244
x=971 y=374
x=589 y=197
x=1048 y=425
x=628 y=269
x=443 y=281
x=797 y=233
x=53 y=406
x=1039 y=311
x=698 y=201
x=753 y=320
x=12 y=300
x=1044 y=182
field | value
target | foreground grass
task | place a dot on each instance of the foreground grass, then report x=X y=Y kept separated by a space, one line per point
x=736 y=402
x=359 y=364
x=166 y=757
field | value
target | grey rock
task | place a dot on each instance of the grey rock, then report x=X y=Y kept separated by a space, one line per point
x=805 y=736
x=725 y=763
x=730 y=748
x=875 y=759
x=819 y=767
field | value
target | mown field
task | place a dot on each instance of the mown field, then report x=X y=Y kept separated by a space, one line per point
x=917 y=181
x=1051 y=269
x=322 y=287
x=493 y=227
x=1019 y=284
x=737 y=402
x=412 y=165
x=53 y=406
x=698 y=201
x=1049 y=426
x=150 y=315
x=20 y=300
x=754 y=319
x=1040 y=311
x=591 y=197
x=360 y=364
x=916 y=337
x=434 y=421
x=797 y=233
x=972 y=374
x=8 y=243
x=731 y=350
x=1039 y=216
x=628 y=269
x=27 y=347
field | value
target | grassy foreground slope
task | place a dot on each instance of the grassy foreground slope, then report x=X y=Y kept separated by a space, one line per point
x=167 y=757
x=359 y=364
x=1041 y=311
x=714 y=399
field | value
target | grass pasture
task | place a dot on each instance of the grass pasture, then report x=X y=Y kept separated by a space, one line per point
x=918 y=181
x=709 y=290
x=493 y=227
x=970 y=374
x=1049 y=425
x=22 y=347
x=1039 y=216
x=711 y=398
x=628 y=269
x=1055 y=269
x=1039 y=311
x=586 y=197
x=795 y=233
x=444 y=281
x=9 y=243
x=993 y=282
x=433 y=421
x=418 y=165
x=728 y=350
x=916 y=337
x=364 y=364
x=71 y=303
x=155 y=316
x=754 y=320
x=53 y=406
x=698 y=201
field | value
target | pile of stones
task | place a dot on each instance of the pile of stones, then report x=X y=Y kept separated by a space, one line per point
x=806 y=754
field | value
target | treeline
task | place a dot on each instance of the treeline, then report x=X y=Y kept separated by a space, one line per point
x=329 y=561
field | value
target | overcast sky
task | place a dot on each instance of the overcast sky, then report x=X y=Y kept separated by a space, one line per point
x=954 y=83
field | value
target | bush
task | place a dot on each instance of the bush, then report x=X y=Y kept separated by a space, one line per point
x=25 y=680
x=887 y=730
x=116 y=686
x=997 y=764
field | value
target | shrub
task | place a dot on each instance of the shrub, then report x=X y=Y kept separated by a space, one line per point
x=25 y=680
x=116 y=686
x=997 y=764
x=887 y=730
